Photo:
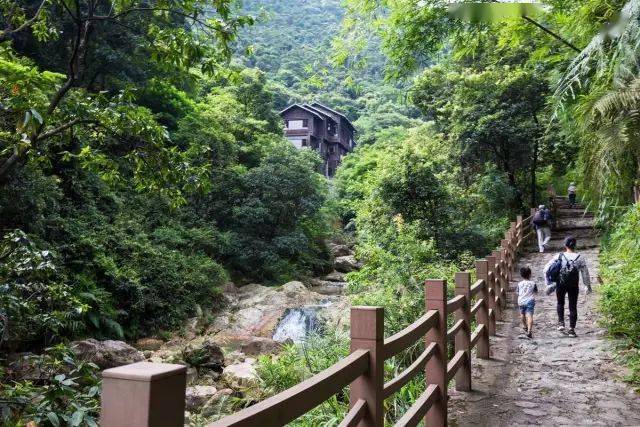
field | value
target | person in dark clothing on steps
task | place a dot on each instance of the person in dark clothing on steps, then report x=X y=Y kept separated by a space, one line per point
x=571 y=266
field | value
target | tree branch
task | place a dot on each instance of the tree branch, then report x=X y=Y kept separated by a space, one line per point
x=548 y=31
x=26 y=23
x=62 y=127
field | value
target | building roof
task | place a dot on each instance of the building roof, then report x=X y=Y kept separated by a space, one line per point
x=320 y=106
x=322 y=113
x=302 y=107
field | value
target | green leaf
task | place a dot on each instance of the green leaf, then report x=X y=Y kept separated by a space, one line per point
x=36 y=116
x=77 y=418
x=53 y=419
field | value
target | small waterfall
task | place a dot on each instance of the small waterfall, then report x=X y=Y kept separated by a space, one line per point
x=298 y=323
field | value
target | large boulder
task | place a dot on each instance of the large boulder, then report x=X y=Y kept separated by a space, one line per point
x=207 y=355
x=240 y=376
x=106 y=354
x=196 y=396
x=346 y=264
x=339 y=250
x=335 y=276
x=259 y=345
x=293 y=289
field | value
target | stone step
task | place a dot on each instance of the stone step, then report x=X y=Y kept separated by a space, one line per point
x=574 y=213
x=558 y=244
x=565 y=224
x=578 y=233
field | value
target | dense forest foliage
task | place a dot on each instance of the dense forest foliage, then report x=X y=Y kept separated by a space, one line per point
x=142 y=163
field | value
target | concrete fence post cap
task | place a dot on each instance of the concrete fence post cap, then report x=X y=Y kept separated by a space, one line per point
x=144 y=371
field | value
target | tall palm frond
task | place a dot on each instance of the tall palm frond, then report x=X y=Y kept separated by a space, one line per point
x=611 y=154
x=617 y=104
x=612 y=54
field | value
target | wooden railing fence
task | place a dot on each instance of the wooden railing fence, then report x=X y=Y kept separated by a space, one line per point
x=139 y=393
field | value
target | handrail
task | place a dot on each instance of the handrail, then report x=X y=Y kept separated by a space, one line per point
x=285 y=407
x=457 y=327
x=355 y=414
x=477 y=306
x=409 y=335
x=477 y=287
x=455 y=303
x=405 y=376
x=455 y=364
x=477 y=333
x=420 y=407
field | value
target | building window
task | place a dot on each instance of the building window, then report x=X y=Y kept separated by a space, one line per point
x=297 y=124
x=304 y=143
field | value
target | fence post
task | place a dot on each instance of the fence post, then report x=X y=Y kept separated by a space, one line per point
x=436 y=369
x=463 y=338
x=507 y=258
x=367 y=333
x=500 y=255
x=520 y=230
x=482 y=272
x=482 y=317
x=496 y=286
x=144 y=394
x=513 y=242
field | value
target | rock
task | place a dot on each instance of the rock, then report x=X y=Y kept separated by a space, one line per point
x=259 y=345
x=334 y=276
x=192 y=375
x=526 y=404
x=207 y=355
x=346 y=264
x=197 y=395
x=106 y=354
x=152 y=344
x=240 y=376
x=211 y=408
x=292 y=289
x=25 y=366
x=339 y=250
x=233 y=358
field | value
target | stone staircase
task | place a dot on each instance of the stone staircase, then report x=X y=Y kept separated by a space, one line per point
x=572 y=221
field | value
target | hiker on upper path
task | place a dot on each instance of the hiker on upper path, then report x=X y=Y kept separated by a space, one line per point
x=572 y=194
x=542 y=224
x=562 y=274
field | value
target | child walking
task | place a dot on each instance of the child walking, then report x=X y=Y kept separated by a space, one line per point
x=527 y=300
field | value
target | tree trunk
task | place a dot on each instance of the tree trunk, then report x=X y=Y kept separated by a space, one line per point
x=534 y=161
x=534 y=165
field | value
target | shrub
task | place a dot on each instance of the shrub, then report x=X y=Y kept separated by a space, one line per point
x=36 y=306
x=620 y=270
x=67 y=394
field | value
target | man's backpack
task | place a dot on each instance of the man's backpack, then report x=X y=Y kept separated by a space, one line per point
x=564 y=276
x=540 y=218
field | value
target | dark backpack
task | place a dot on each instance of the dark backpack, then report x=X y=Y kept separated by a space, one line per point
x=540 y=218
x=567 y=276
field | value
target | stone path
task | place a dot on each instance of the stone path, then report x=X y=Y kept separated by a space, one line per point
x=552 y=379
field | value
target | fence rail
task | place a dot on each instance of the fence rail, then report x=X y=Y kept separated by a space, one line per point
x=363 y=369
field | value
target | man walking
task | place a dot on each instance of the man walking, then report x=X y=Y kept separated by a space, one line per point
x=542 y=223
x=562 y=273
x=572 y=194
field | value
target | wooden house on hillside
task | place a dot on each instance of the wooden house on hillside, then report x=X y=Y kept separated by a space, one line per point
x=318 y=127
